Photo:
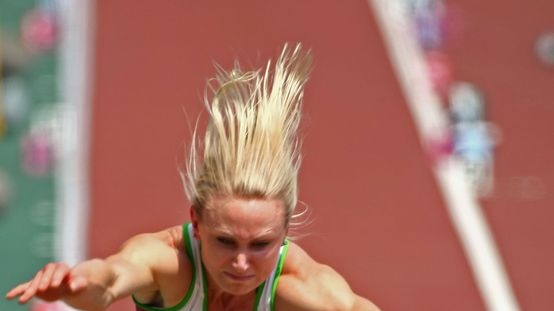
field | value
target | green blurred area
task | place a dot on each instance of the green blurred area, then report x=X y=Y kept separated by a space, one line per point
x=27 y=223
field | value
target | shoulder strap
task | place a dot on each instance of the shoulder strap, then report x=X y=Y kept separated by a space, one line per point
x=265 y=296
x=194 y=298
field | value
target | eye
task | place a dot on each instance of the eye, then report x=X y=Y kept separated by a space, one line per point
x=259 y=245
x=225 y=241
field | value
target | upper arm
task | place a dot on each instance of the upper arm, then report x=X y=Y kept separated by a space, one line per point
x=137 y=265
x=309 y=285
x=332 y=292
x=131 y=268
x=362 y=304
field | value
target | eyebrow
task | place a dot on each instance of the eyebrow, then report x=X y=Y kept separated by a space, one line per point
x=266 y=235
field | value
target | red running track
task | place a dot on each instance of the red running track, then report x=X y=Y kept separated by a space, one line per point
x=378 y=216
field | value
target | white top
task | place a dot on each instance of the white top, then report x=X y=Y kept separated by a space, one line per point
x=196 y=298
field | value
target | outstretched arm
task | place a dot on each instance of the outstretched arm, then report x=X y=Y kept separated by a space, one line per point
x=362 y=304
x=323 y=290
x=307 y=285
x=96 y=283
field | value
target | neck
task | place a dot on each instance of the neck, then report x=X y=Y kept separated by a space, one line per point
x=219 y=298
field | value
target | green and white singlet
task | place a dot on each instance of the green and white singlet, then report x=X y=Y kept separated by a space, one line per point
x=196 y=298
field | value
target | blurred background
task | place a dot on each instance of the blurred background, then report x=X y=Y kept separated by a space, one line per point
x=428 y=136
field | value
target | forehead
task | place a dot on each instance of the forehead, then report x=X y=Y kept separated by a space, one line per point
x=239 y=216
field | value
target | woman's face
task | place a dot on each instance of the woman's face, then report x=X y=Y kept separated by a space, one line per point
x=240 y=240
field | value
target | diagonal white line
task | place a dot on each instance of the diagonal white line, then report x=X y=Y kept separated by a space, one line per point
x=76 y=19
x=429 y=117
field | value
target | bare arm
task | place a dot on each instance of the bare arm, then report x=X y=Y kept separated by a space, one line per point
x=307 y=285
x=96 y=283
x=362 y=304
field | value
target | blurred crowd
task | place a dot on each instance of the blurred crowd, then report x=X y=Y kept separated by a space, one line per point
x=27 y=98
x=470 y=138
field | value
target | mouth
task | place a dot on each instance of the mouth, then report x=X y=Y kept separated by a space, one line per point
x=239 y=277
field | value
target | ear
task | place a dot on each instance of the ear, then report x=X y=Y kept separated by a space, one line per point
x=286 y=233
x=194 y=221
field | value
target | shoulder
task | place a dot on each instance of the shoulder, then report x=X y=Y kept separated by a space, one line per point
x=161 y=255
x=306 y=284
x=147 y=247
x=148 y=253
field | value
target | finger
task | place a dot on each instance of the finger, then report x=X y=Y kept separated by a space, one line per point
x=17 y=290
x=47 y=274
x=77 y=283
x=60 y=274
x=31 y=289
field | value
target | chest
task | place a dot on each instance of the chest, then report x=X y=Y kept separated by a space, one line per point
x=245 y=303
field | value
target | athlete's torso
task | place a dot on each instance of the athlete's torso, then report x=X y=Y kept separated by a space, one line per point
x=196 y=297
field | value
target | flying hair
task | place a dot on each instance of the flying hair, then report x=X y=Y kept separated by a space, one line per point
x=251 y=147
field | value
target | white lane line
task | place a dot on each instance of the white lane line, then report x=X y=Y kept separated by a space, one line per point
x=76 y=19
x=429 y=117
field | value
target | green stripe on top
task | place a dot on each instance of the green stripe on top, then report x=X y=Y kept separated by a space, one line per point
x=180 y=305
x=205 y=284
x=278 y=273
x=259 y=292
x=188 y=248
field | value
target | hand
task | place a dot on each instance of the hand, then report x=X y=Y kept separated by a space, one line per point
x=55 y=281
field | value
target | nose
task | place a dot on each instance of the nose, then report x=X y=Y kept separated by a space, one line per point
x=240 y=262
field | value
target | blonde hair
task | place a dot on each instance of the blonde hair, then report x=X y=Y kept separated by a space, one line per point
x=251 y=148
